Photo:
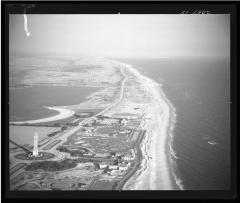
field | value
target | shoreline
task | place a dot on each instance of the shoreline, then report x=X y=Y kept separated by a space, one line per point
x=62 y=114
x=155 y=171
x=172 y=155
x=152 y=173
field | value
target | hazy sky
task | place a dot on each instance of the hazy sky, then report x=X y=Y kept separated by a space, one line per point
x=122 y=35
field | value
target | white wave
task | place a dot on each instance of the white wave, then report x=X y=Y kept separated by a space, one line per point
x=26 y=25
x=212 y=142
x=179 y=182
x=173 y=154
x=209 y=140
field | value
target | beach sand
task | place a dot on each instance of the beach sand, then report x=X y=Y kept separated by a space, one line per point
x=155 y=170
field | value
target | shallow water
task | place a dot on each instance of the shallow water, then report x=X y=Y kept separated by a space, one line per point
x=28 y=103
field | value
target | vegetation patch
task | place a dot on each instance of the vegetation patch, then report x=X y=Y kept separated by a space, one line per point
x=103 y=185
x=73 y=151
x=52 y=165
x=43 y=156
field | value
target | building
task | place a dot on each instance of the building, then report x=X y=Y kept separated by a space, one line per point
x=119 y=154
x=103 y=165
x=123 y=167
x=35 y=145
x=133 y=153
x=114 y=167
x=126 y=131
x=116 y=172
x=129 y=155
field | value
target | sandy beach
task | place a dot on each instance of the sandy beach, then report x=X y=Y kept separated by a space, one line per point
x=62 y=114
x=155 y=170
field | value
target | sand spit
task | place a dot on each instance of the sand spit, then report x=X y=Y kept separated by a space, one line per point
x=155 y=171
x=63 y=113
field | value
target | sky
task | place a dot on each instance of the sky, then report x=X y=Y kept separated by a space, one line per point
x=120 y=35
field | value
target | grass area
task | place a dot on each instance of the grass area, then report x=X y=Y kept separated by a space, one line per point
x=72 y=140
x=124 y=114
x=52 y=165
x=135 y=135
x=19 y=178
x=102 y=144
x=51 y=145
x=94 y=111
x=134 y=123
x=73 y=151
x=103 y=185
x=110 y=130
x=84 y=114
x=16 y=168
x=28 y=186
x=43 y=156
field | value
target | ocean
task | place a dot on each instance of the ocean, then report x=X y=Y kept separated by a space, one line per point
x=27 y=103
x=199 y=89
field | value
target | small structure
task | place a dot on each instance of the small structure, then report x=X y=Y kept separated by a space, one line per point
x=124 y=121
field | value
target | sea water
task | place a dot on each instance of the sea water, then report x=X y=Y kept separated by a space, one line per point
x=27 y=103
x=199 y=89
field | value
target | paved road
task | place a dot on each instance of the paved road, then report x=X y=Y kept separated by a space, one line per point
x=121 y=92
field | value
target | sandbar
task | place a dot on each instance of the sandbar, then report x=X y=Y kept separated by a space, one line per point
x=62 y=114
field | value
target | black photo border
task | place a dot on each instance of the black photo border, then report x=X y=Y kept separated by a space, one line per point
x=125 y=7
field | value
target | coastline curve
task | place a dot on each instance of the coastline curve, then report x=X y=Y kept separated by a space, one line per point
x=62 y=114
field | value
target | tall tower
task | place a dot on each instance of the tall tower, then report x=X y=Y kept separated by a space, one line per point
x=35 y=145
